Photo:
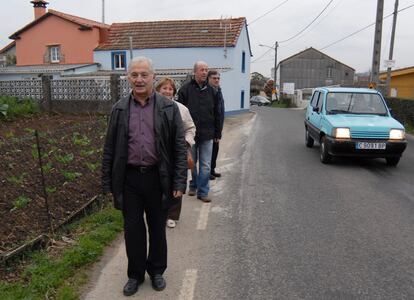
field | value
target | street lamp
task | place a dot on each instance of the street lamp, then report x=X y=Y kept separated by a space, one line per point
x=275 y=70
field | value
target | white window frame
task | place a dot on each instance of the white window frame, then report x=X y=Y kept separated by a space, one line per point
x=54 y=52
x=118 y=61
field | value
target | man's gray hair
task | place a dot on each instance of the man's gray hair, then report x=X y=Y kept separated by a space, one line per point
x=139 y=59
x=197 y=63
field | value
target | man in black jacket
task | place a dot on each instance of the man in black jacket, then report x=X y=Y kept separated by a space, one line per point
x=144 y=166
x=202 y=102
x=214 y=81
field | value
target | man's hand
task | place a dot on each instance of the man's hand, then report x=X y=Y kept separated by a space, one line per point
x=216 y=140
x=177 y=194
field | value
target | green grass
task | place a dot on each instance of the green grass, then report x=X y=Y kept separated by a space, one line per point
x=20 y=202
x=409 y=128
x=61 y=277
x=279 y=104
x=69 y=175
x=12 y=108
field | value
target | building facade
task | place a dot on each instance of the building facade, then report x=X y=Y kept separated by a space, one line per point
x=402 y=83
x=55 y=38
x=312 y=68
x=176 y=45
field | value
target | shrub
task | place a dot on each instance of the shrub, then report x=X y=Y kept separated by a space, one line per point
x=12 y=107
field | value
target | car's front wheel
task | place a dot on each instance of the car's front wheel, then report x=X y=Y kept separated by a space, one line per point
x=308 y=139
x=324 y=155
x=392 y=161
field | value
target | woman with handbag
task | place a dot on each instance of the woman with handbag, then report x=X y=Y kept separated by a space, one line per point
x=167 y=88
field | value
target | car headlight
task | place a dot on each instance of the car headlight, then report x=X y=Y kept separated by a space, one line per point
x=342 y=133
x=397 y=134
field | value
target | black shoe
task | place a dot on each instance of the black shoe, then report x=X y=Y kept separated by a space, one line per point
x=212 y=177
x=158 y=282
x=215 y=174
x=131 y=287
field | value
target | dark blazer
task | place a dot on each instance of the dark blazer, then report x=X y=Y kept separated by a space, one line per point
x=204 y=107
x=170 y=145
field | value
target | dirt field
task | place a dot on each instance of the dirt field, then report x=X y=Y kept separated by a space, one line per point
x=71 y=149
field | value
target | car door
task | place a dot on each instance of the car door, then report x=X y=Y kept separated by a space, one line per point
x=314 y=113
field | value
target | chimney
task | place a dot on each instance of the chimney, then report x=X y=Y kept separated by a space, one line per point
x=39 y=8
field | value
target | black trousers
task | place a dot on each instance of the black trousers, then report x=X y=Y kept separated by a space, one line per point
x=214 y=156
x=142 y=193
x=175 y=210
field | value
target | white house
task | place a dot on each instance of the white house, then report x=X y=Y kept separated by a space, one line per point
x=174 y=46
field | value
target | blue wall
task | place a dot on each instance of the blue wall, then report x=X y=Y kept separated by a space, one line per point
x=233 y=81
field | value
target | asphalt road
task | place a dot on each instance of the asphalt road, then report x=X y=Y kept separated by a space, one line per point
x=282 y=225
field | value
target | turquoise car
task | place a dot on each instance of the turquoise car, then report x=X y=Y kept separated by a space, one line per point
x=353 y=122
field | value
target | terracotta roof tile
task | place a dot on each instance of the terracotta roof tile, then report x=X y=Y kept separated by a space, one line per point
x=77 y=20
x=174 y=34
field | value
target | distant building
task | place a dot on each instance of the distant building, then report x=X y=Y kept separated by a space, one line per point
x=176 y=45
x=362 y=79
x=8 y=55
x=52 y=42
x=60 y=44
x=57 y=38
x=402 y=82
x=312 y=68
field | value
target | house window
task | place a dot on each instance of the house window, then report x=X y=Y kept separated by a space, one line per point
x=242 y=99
x=243 y=67
x=54 y=54
x=119 y=60
x=329 y=72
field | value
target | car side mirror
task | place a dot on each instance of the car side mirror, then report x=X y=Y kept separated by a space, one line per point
x=315 y=109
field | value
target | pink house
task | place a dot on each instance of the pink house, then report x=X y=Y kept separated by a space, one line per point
x=57 y=38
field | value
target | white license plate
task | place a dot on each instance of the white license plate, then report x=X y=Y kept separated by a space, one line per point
x=370 y=146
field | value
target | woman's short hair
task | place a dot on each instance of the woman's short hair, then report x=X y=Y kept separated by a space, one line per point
x=165 y=81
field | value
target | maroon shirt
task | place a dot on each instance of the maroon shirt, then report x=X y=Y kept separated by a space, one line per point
x=141 y=135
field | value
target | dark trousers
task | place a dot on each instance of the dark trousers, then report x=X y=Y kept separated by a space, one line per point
x=214 y=156
x=175 y=210
x=142 y=193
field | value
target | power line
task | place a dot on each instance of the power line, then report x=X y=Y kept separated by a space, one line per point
x=268 y=50
x=308 y=24
x=362 y=29
x=268 y=12
x=320 y=21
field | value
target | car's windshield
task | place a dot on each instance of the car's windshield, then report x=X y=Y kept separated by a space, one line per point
x=355 y=103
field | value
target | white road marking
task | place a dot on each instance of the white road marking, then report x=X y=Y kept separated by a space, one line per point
x=203 y=217
x=189 y=282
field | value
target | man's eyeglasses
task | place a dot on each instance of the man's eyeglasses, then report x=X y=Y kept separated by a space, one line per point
x=142 y=75
x=215 y=78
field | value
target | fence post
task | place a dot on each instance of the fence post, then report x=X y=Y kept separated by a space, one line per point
x=114 y=86
x=39 y=154
x=46 y=92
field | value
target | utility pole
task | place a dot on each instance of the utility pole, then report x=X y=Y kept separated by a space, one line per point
x=103 y=11
x=130 y=48
x=275 y=75
x=394 y=23
x=376 y=57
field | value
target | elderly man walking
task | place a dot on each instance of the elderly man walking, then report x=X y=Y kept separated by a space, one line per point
x=214 y=81
x=202 y=102
x=144 y=166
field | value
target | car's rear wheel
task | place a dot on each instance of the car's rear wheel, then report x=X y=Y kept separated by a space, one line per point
x=324 y=155
x=392 y=161
x=308 y=139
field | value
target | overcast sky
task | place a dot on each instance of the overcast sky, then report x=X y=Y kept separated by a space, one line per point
x=341 y=18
